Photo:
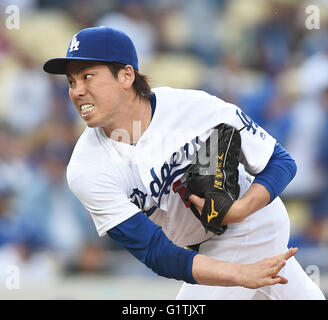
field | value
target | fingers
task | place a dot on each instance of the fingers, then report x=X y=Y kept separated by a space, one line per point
x=197 y=201
x=278 y=280
x=278 y=267
x=275 y=279
x=285 y=256
x=279 y=262
x=290 y=253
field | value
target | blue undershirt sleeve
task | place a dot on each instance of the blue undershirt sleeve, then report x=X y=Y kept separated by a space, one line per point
x=278 y=173
x=148 y=243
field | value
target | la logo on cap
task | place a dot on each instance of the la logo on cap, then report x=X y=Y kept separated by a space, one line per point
x=74 y=44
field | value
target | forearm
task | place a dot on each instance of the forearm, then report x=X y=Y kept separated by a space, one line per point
x=256 y=198
x=149 y=244
x=208 y=271
x=267 y=185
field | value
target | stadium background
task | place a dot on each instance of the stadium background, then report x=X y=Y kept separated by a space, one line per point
x=259 y=54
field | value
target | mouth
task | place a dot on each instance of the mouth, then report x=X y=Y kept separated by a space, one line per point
x=86 y=109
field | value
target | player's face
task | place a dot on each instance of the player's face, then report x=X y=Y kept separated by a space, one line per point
x=95 y=92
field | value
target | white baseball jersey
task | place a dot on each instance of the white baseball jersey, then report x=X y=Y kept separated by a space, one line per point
x=115 y=180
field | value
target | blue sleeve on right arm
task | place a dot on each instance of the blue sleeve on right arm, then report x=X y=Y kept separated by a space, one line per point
x=148 y=243
x=277 y=174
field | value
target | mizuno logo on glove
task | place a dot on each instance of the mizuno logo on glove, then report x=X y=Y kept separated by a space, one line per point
x=213 y=213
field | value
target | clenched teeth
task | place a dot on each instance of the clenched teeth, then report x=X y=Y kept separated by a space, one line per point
x=86 y=107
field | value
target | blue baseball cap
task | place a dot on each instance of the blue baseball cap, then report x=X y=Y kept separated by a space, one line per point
x=96 y=44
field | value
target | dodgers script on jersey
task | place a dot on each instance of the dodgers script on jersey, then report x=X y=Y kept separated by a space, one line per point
x=115 y=180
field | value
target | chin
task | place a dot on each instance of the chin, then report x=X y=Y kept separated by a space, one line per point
x=91 y=124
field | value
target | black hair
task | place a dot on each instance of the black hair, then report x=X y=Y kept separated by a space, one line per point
x=140 y=84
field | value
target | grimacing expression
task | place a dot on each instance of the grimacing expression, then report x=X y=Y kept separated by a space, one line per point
x=95 y=92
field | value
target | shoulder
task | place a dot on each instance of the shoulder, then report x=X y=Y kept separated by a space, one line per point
x=89 y=149
x=187 y=98
x=88 y=139
x=86 y=179
x=88 y=160
x=177 y=92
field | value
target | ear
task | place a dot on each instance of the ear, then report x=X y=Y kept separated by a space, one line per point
x=126 y=76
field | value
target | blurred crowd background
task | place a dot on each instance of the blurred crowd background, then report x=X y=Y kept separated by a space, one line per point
x=258 y=54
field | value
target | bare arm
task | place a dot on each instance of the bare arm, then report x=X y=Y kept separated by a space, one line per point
x=148 y=243
x=253 y=200
x=209 y=271
x=256 y=198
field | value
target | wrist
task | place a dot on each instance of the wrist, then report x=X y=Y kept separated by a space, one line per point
x=243 y=208
x=209 y=271
x=237 y=274
x=254 y=199
x=236 y=213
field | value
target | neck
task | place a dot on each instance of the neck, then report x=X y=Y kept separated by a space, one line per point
x=132 y=121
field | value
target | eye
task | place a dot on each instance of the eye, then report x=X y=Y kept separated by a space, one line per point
x=87 y=76
x=70 y=83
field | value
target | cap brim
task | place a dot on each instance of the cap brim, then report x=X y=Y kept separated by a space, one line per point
x=58 y=65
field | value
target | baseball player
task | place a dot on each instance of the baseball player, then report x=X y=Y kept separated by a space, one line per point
x=129 y=170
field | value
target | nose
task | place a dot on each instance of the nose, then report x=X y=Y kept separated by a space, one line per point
x=78 y=91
